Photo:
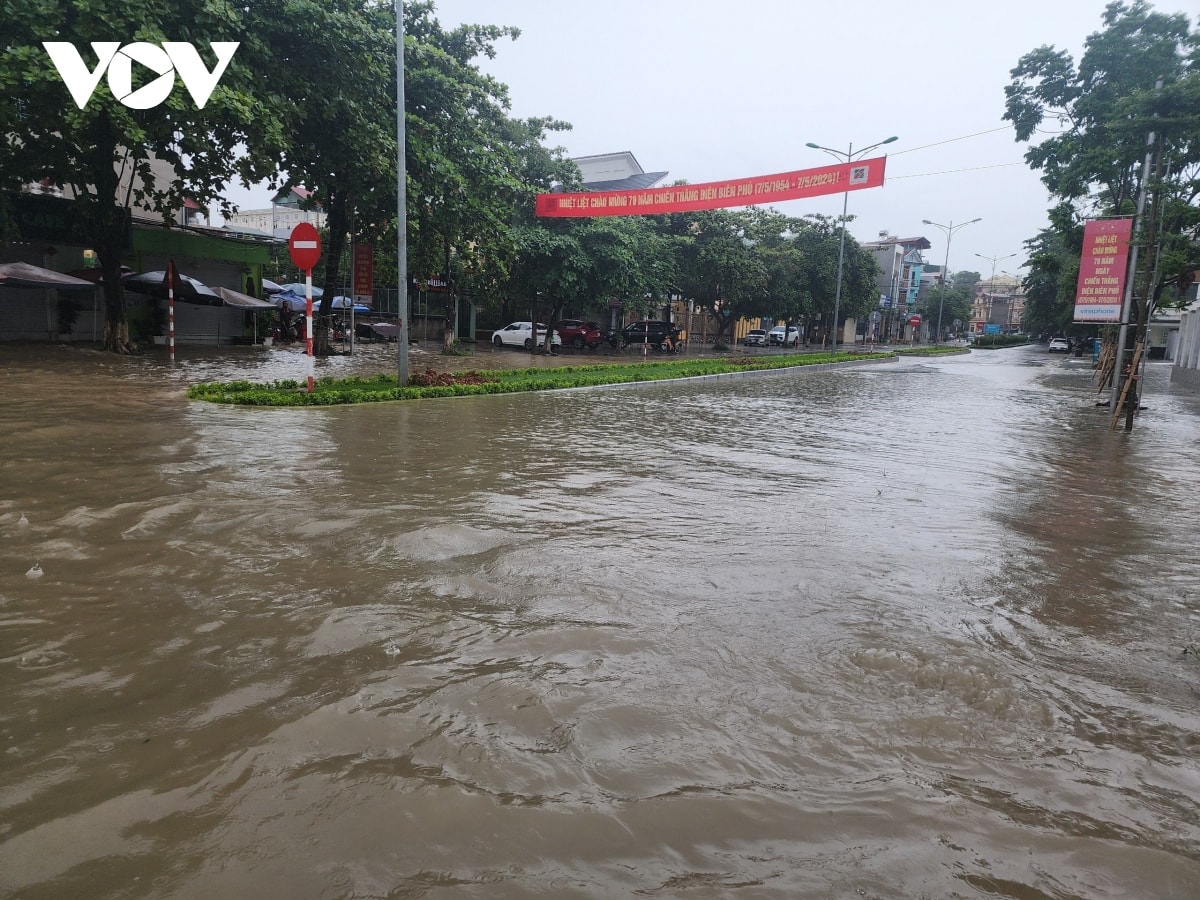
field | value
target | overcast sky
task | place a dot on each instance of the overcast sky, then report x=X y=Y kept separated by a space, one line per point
x=710 y=90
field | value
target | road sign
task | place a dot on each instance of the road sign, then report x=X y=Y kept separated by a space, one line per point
x=914 y=321
x=305 y=246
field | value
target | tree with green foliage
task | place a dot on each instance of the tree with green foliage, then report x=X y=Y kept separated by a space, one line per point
x=786 y=291
x=716 y=264
x=330 y=74
x=551 y=269
x=102 y=155
x=1053 y=273
x=1138 y=78
x=951 y=300
x=821 y=240
x=483 y=262
x=630 y=261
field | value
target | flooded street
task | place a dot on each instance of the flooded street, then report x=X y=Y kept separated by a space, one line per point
x=915 y=629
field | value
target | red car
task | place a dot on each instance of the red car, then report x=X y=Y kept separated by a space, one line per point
x=579 y=334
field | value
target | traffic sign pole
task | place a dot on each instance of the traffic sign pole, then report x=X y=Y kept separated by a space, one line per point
x=304 y=245
x=308 y=325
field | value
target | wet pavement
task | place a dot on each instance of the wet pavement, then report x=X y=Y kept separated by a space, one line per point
x=919 y=629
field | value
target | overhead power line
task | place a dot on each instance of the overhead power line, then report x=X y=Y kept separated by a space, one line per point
x=952 y=171
x=951 y=140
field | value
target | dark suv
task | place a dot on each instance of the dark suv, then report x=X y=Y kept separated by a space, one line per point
x=579 y=334
x=661 y=335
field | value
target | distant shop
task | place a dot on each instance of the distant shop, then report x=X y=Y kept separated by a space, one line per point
x=45 y=232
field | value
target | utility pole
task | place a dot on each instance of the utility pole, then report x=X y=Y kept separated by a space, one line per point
x=1119 y=361
x=401 y=206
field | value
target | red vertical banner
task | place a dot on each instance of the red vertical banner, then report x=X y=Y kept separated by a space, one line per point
x=364 y=271
x=1102 y=265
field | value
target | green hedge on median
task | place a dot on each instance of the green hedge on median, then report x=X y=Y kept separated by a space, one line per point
x=334 y=391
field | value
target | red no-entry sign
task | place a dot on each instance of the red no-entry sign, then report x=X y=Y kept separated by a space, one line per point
x=305 y=246
x=914 y=321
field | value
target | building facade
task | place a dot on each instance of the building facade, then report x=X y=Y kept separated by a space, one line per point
x=998 y=306
x=287 y=210
x=901 y=267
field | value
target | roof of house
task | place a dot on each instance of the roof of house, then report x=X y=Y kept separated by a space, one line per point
x=633 y=182
x=919 y=242
x=615 y=172
x=294 y=196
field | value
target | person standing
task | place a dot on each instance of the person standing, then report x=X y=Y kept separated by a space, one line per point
x=285 y=321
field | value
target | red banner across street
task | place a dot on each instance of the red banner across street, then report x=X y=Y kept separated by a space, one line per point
x=835 y=179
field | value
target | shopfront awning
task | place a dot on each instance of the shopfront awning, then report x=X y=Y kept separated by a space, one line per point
x=24 y=275
x=243 y=301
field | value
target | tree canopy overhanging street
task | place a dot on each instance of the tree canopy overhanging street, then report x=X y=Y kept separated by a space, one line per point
x=293 y=108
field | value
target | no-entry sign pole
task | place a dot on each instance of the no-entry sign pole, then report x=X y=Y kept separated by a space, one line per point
x=308 y=325
x=171 y=278
x=304 y=245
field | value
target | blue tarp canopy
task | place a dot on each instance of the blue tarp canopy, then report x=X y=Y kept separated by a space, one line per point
x=296 y=302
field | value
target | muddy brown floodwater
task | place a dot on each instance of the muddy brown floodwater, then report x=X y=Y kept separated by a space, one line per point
x=919 y=629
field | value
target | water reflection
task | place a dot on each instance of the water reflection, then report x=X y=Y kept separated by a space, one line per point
x=901 y=630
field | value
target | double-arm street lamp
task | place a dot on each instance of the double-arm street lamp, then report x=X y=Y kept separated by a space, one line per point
x=848 y=155
x=949 y=229
x=992 y=281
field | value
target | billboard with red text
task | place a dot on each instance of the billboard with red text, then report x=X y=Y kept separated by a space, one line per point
x=1102 y=267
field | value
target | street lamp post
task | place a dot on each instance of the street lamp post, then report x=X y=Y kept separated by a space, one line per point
x=849 y=155
x=401 y=207
x=949 y=229
x=992 y=280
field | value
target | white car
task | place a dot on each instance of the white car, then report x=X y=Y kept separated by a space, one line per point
x=781 y=335
x=518 y=334
x=755 y=337
x=1059 y=345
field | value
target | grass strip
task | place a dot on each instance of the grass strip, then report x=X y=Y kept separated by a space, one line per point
x=380 y=388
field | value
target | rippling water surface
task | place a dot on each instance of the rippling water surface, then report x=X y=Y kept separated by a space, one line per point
x=914 y=629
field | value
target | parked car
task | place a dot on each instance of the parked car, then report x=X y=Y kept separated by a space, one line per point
x=579 y=334
x=1059 y=345
x=782 y=335
x=658 y=334
x=755 y=337
x=518 y=334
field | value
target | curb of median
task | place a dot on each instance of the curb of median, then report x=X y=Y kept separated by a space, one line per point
x=745 y=373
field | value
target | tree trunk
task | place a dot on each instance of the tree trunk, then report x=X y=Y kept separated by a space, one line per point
x=116 y=326
x=338 y=224
x=533 y=341
x=448 y=305
x=105 y=222
x=555 y=315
